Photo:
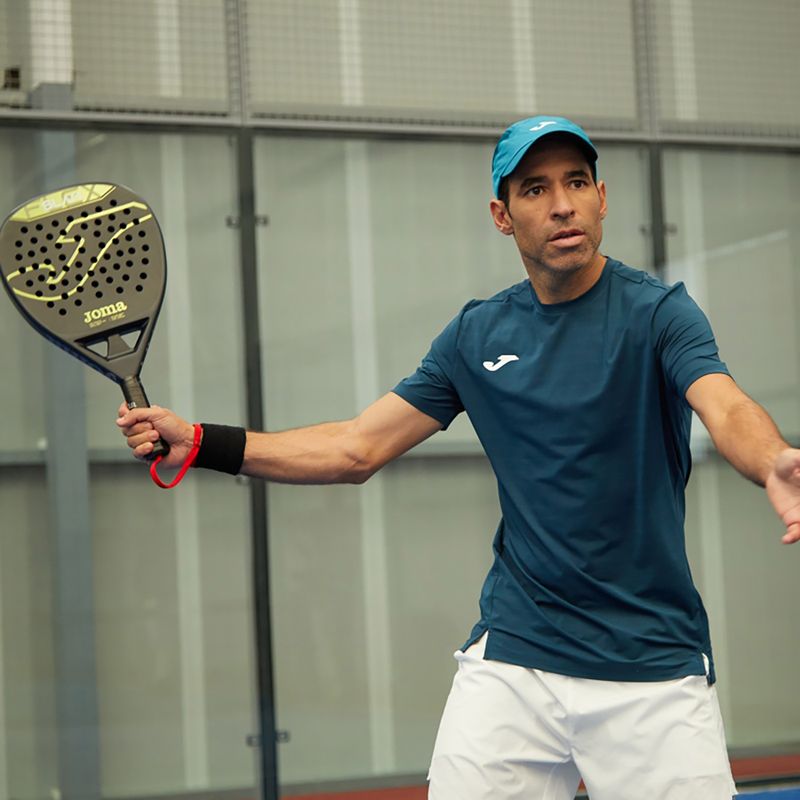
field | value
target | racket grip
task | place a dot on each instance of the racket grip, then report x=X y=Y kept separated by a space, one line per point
x=134 y=393
x=136 y=398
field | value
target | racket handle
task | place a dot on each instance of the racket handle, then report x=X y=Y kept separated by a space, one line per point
x=134 y=393
x=136 y=398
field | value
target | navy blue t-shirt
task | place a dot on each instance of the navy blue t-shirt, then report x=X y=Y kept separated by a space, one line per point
x=581 y=409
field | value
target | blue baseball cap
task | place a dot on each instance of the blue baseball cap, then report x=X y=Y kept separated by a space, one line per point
x=517 y=139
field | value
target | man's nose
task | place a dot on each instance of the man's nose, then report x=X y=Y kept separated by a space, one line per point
x=562 y=204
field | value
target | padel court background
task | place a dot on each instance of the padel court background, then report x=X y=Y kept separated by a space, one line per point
x=321 y=172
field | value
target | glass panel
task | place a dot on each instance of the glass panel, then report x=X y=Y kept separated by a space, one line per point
x=21 y=355
x=28 y=744
x=372 y=247
x=736 y=244
x=440 y=516
x=169 y=622
x=189 y=181
x=188 y=361
x=173 y=635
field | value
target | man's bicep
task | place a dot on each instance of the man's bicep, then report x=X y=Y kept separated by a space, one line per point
x=391 y=426
x=711 y=396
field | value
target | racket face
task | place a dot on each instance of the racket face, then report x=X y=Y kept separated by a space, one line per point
x=85 y=265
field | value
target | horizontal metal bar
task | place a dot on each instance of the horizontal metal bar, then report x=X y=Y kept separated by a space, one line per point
x=272 y=124
x=23 y=458
x=116 y=119
x=37 y=458
x=122 y=456
x=730 y=141
x=206 y=123
x=437 y=447
x=445 y=129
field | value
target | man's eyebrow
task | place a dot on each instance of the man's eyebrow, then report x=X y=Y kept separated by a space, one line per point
x=531 y=179
x=577 y=173
x=534 y=179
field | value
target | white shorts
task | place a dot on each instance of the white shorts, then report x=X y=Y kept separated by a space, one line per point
x=511 y=733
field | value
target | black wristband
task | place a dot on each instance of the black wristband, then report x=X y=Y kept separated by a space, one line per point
x=222 y=448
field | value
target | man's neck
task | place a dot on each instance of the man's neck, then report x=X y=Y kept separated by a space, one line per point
x=552 y=286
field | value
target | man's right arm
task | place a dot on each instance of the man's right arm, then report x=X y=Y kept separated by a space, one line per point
x=339 y=452
x=349 y=451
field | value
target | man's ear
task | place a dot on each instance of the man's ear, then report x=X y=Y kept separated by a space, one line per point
x=500 y=216
x=601 y=189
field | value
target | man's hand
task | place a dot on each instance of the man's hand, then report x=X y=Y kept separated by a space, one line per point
x=144 y=426
x=783 y=490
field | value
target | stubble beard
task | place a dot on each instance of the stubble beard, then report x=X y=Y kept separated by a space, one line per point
x=565 y=266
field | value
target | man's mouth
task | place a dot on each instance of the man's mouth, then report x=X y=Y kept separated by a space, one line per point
x=568 y=237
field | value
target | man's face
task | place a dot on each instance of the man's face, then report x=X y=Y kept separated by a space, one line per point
x=555 y=209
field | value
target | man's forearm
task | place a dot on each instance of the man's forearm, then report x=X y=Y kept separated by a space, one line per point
x=749 y=439
x=338 y=452
x=319 y=454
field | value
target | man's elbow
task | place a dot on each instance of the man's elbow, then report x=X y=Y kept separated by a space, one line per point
x=362 y=468
x=361 y=459
x=359 y=477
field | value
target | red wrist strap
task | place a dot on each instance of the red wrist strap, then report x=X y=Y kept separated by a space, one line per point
x=198 y=435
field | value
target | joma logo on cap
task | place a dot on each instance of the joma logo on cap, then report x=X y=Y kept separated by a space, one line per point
x=543 y=125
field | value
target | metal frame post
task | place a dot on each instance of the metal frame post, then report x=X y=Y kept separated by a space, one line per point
x=71 y=529
x=268 y=756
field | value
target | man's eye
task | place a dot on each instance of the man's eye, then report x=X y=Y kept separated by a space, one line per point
x=579 y=183
x=535 y=190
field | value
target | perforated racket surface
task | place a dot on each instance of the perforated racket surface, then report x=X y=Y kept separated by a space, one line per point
x=85 y=265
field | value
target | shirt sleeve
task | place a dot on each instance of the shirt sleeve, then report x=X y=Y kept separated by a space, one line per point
x=684 y=341
x=431 y=389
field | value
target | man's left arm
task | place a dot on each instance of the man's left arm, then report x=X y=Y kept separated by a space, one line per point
x=747 y=437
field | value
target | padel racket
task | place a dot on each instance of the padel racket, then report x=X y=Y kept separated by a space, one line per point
x=85 y=265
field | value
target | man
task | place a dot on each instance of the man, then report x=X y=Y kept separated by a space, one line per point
x=592 y=655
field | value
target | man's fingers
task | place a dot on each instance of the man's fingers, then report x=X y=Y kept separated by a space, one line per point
x=141 y=413
x=135 y=430
x=134 y=416
x=792 y=534
x=143 y=450
x=146 y=437
x=142 y=428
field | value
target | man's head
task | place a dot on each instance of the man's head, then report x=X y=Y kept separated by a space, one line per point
x=518 y=138
x=548 y=197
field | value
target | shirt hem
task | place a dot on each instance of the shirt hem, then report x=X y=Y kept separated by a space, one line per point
x=420 y=405
x=717 y=369
x=496 y=651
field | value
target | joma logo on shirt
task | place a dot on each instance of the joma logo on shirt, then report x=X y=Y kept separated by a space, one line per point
x=493 y=366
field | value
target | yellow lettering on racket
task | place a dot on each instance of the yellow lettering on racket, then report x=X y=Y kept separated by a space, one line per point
x=97 y=316
x=71 y=197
